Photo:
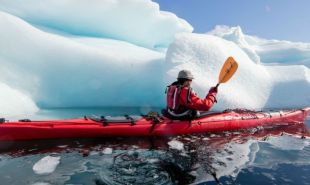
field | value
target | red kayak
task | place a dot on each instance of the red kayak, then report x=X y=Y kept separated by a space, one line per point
x=151 y=125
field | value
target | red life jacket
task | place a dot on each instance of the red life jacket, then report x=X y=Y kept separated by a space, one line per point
x=173 y=97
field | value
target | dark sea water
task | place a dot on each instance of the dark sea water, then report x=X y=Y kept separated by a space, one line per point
x=258 y=156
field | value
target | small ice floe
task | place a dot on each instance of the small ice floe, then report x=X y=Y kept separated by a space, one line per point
x=46 y=165
x=174 y=144
x=93 y=153
x=107 y=151
x=152 y=160
x=41 y=183
x=62 y=146
x=135 y=147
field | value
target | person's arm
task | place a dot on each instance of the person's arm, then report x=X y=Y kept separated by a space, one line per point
x=202 y=104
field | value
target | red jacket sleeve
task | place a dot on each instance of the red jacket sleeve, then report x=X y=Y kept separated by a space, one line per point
x=194 y=102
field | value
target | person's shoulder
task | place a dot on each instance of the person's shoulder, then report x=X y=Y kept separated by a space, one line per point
x=188 y=89
x=191 y=91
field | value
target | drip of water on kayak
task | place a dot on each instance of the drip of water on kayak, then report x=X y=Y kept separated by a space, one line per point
x=242 y=157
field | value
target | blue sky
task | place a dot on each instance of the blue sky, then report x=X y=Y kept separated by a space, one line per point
x=270 y=19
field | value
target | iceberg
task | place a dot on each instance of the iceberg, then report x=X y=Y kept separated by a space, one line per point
x=267 y=51
x=205 y=55
x=287 y=64
x=14 y=101
x=125 y=52
x=66 y=72
x=236 y=35
x=135 y=21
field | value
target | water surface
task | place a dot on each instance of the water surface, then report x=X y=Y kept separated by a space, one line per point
x=258 y=156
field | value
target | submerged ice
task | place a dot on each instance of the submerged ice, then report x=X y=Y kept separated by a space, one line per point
x=124 y=53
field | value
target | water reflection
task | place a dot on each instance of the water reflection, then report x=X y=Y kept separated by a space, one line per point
x=201 y=159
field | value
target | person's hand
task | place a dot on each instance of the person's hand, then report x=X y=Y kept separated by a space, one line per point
x=213 y=89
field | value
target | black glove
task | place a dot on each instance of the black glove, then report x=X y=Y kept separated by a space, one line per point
x=213 y=89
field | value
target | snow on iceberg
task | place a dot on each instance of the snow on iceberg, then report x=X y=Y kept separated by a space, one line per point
x=135 y=21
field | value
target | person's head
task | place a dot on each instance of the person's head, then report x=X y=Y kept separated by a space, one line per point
x=185 y=77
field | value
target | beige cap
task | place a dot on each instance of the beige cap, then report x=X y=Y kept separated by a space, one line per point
x=185 y=74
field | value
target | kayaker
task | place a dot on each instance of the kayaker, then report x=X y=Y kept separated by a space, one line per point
x=183 y=102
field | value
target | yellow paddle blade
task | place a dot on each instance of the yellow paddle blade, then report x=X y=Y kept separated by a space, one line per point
x=228 y=70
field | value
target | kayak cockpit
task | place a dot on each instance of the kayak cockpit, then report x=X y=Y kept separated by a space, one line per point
x=192 y=115
x=106 y=120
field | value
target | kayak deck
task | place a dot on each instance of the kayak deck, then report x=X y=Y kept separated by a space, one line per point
x=88 y=127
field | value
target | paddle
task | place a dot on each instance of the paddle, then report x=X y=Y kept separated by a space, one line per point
x=228 y=70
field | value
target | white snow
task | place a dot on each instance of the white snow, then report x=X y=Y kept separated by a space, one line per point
x=46 y=165
x=73 y=53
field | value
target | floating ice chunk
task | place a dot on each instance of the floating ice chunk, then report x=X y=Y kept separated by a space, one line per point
x=62 y=146
x=107 y=151
x=41 y=183
x=153 y=160
x=174 y=144
x=93 y=153
x=46 y=165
